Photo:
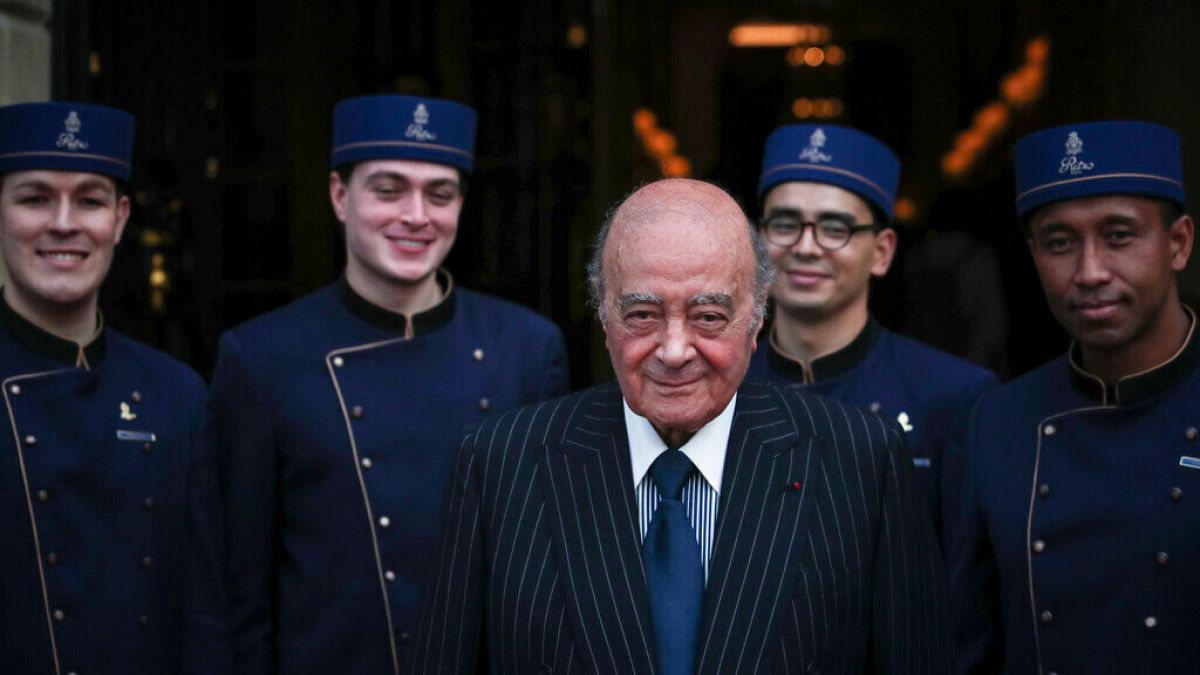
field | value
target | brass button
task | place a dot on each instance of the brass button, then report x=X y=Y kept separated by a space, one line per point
x=147 y=562
x=136 y=396
x=148 y=503
x=43 y=496
x=1039 y=546
x=1190 y=434
x=384 y=521
x=356 y=412
x=338 y=362
x=405 y=638
x=59 y=615
x=1044 y=490
x=477 y=354
x=366 y=462
x=1176 y=494
x=31 y=440
x=143 y=621
x=875 y=407
x=1049 y=430
x=1046 y=616
x=51 y=558
x=1150 y=622
x=15 y=389
x=389 y=575
x=147 y=448
x=485 y=404
x=1162 y=558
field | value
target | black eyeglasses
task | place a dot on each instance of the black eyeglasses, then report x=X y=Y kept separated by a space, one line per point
x=831 y=231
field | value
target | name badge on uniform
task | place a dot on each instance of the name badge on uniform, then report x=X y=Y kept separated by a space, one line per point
x=143 y=436
x=1189 y=462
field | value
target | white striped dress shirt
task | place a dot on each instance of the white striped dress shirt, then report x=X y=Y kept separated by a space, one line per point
x=702 y=491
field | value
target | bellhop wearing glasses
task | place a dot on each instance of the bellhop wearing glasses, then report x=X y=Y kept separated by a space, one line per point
x=827 y=194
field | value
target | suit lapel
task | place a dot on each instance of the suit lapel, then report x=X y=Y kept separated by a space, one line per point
x=766 y=497
x=589 y=487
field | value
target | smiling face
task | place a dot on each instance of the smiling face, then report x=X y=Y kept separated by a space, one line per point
x=401 y=219
x=58 y=230
x=813 y=283
x=1107 y=266
x=679 y=321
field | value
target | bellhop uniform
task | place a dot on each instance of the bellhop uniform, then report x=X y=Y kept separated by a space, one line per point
x=337 y=422
x=1075 y=546
x=926 y=391
x=108 y=494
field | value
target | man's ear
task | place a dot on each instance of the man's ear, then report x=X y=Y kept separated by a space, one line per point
x=337 y=195
x=885 y=250
x=1181 y=234
x=122 y=217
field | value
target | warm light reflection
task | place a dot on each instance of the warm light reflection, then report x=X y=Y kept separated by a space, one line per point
x=905 y=209
x=835 y=55
x=577 y=36
x=763 y=34
x=676 y=167
x=1037 y=50
x=660 y=144
x=1018 y=89
x=814 y=56
x=644 y=120
x=804 y=108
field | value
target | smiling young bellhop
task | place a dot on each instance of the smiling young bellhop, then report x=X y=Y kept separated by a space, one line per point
x=337 y=416
x=108 y=494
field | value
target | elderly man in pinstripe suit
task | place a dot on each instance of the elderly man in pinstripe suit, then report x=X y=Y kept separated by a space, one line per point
x=680 y=520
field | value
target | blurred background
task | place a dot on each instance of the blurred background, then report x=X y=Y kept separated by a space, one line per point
x=579 y=102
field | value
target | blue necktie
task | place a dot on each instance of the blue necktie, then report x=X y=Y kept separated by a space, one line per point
x=675 y=576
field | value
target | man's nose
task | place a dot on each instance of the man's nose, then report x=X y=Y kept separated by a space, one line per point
x=416 y=213
x=63 y=221
x=806 y=246
x=1093 y=268
x=676 y=349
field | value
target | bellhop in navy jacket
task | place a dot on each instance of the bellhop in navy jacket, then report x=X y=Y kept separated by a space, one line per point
x=926 y=391
x=1075 y=545
x=109 y=510
x=337 y=423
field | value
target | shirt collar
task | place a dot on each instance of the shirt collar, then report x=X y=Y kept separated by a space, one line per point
x=830 y=365
x=1139 y=386
x=706 y=448
x=67 y=352
x=408 y=325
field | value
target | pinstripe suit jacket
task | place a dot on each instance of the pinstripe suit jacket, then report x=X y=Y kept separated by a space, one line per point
x=823 y=561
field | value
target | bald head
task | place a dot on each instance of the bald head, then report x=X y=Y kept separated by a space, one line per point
x=691 y=212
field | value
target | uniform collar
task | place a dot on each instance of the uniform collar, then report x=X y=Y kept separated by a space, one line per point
x=408 y=325
x=67 y=352
x=706 y=448
x=1141 y=386
x=830 y=365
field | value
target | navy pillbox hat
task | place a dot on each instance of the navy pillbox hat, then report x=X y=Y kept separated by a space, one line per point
x=66 y=136
x=403 y=127
x=836 y=155
x=1097 y=158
